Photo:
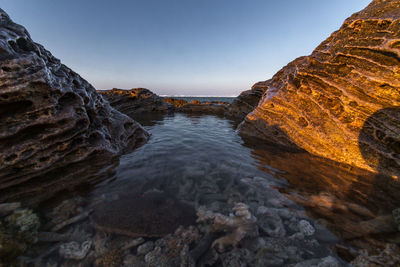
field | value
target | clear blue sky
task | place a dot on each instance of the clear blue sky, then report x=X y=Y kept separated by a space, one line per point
x=180 y=47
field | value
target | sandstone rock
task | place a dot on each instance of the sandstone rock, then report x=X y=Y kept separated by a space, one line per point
x=55 y=130
x=196 y=106
x=136 y=101
x=247 y=101
x=342 y=102
x=205 y=108
x=175 y=102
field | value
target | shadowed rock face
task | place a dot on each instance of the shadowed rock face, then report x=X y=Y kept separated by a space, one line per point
x=136 y=101
x=321 y=102
x=55 y=130
x=247 y=101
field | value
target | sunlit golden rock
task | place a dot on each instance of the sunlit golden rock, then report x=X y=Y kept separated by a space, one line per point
x=343 y=101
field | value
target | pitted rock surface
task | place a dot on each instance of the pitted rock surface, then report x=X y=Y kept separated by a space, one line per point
x=53 y=124
x=343 y=101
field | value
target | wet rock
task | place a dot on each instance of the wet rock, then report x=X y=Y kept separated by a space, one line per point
x=329 y=262
x=156 y=258
x=145 y=248
x=18 y=232
x=111 y=258
x=135 y=102
x=306 y=228
x=52 y=237
x=154 y=214
x=390 y=256
x=237 y=257
x=396 y=217
x=75 y=251
x=342 y=101
x=65 y=210
x=324 y=262
x=24 y=221
x=72 y=220
x=241 y=224
x=56 y=132
x=133 y=243
x=270 y=222
x=131 y=260
x=10 y=246
x=7 y=208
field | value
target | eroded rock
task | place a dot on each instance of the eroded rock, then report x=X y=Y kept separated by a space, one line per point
x=341 y=102
x=55 y=130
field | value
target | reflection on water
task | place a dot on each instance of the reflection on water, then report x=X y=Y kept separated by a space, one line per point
x=355 y=204
x=201 y=160
x=197 y=158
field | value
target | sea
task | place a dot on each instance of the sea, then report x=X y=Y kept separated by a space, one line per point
x=203 y=98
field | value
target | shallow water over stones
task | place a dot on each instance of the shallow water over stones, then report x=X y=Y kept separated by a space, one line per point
x=246 y=196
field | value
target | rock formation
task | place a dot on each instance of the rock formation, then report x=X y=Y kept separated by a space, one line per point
x=54 y=127
x=135 y=101
x=198 y=107
x=341 y=102
x=247 y=101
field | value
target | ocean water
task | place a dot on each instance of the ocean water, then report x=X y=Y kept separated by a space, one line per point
x=204 y=99
x=202 y=161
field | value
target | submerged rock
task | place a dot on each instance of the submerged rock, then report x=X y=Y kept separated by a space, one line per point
x=75 y=251
x=341 y=102
x=152 y=214
x=239 y=225
x=56 y=131
x=18 y=232
x=112 y=258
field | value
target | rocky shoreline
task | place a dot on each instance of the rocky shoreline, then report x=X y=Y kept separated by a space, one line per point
x=57 y=133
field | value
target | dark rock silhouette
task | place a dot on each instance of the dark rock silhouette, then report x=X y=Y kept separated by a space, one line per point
x=322 y=101
x=55 y=130
x=136 y=101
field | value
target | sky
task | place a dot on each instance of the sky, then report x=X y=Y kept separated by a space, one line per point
x=180 y=47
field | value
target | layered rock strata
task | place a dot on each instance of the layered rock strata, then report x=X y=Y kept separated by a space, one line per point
x=343 y=101
x=55 y=130
x=135 y=101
